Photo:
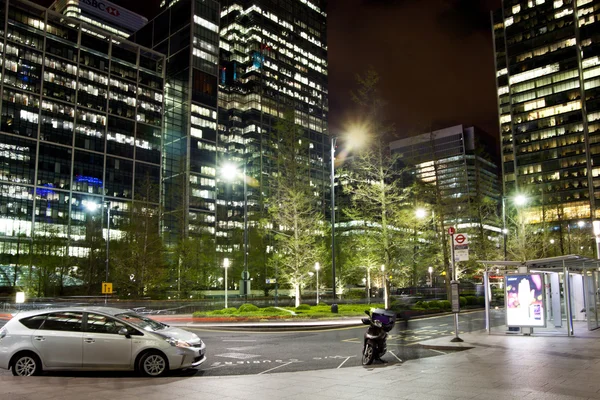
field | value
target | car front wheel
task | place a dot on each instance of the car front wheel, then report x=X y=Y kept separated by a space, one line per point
x=153 y=364
x=26 y=364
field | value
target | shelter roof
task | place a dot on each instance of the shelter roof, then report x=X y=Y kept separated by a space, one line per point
x=573 y=262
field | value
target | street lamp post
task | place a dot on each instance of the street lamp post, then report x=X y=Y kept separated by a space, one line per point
x=230 y=172
x=596 y=225
x=368 y=285
x=504 y=230
x=332 y=182
x=92 y=207
x=430 y=276
x=317 y=267
x=226 y=267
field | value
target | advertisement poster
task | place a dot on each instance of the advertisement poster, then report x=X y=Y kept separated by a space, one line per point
x=525 y=300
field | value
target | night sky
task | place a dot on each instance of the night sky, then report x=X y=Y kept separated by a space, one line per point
x=435 y=59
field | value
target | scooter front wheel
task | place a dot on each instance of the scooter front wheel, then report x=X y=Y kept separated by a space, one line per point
x=368 y=355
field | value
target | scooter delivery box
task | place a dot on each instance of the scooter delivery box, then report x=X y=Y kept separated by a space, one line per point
x=386 y=317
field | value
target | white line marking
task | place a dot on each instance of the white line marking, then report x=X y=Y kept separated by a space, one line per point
x=438 y=351
x=239 y=340
x=392 y=353
x=343 y=362
x=282 y=365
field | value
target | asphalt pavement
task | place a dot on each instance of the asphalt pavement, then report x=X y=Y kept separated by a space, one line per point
x=497 y=366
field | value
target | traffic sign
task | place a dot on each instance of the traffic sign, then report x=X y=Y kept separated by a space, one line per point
x=460 y=239
x=107 y=288
x=451 y=231
x=461 y=247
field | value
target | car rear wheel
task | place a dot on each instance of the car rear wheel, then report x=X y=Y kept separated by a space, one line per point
x=26 y=364
x=153 y=364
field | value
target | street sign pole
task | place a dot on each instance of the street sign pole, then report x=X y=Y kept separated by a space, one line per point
x=455 y=294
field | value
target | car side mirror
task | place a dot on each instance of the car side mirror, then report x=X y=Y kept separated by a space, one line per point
x=125 y=332
x=368 y=313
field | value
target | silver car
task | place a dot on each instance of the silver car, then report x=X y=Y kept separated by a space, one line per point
x=95 y=338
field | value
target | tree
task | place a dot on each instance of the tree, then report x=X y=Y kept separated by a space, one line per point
x=293 y=207
x=374 y=182
x=137 y=260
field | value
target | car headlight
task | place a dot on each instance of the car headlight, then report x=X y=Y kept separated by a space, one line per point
x=177 y=342
x=3 y=333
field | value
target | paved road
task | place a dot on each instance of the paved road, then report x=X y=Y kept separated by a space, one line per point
x=250 y=353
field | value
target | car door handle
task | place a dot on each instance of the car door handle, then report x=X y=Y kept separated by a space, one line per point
x=39 y=338
x=89 y=340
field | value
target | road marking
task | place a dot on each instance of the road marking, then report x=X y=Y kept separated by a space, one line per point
x=239 y=340
x=269 y=370
x=239 y=356
x=392 y=353
x=444 y=324
x=343 y=362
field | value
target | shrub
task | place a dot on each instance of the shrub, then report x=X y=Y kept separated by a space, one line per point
x=481 y=300
x=354 y=294
x=471 y=300
x=248 y=308
x=445 y=304
x=229 y=310
x=422 y=304
x=434 y=304
x=303 y=307
x=462 y=301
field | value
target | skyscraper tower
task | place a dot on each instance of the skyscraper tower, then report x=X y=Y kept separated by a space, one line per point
x=547 y=68
x=273 y=60
x=187 y=32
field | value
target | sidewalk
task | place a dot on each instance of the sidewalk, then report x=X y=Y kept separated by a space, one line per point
x=496 y=367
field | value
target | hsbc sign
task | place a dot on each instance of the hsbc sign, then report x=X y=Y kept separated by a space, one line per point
x=103 y=6
x=113 y=14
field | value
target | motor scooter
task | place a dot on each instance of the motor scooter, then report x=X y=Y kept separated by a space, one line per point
x=375 y=339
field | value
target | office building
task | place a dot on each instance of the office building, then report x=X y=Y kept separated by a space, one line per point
x=187 y=32
x=548 y=74
x=459 y=161
x=273 y=59
x=102 y=14
x=81 y=122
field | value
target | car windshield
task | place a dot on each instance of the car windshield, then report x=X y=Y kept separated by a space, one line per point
x=142 y=322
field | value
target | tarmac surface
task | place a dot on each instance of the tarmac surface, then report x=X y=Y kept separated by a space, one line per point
x=497 y=366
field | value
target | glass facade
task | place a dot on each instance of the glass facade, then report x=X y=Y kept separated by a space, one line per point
x=273 y=59
x=81 y=114
x=187 y=31
x=448 y=158
x=547 y=68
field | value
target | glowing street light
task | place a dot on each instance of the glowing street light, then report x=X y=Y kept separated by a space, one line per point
x=420 y=213
x=520 y=200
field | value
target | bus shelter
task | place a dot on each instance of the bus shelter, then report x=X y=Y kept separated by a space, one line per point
x=545 y=296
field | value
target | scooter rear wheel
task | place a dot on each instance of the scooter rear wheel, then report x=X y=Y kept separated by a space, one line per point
x=368 y=355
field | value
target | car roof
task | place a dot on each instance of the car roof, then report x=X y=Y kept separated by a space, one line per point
x=99 y=309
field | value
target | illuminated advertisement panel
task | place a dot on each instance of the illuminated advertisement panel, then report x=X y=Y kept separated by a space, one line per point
x=524 y=300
